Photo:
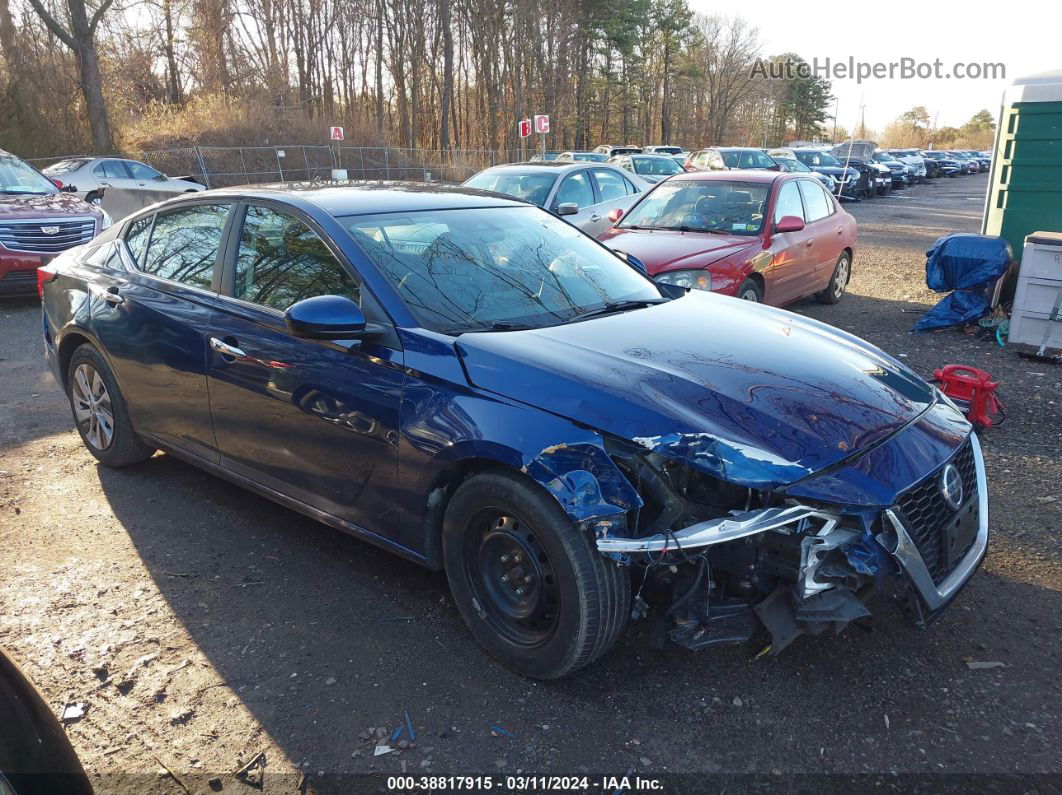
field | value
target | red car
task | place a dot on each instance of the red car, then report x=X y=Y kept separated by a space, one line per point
x=759 y=235
x=37 y=222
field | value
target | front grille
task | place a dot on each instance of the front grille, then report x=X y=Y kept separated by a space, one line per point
x=925 y=513
x=31 y=236
x=20 y=277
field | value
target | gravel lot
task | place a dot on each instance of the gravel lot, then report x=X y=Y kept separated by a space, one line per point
x=203 y=625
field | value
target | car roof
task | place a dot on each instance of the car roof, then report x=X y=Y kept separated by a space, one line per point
x=352 y=198
x=740 y=175
x=537 y=164
x=736 y=148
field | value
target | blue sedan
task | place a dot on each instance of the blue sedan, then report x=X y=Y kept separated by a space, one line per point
x=478 y=386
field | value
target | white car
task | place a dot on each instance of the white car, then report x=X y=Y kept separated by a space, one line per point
x=89 y=177
x=582 y=193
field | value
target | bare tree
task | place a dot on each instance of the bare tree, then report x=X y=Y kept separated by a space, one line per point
x=80 y=37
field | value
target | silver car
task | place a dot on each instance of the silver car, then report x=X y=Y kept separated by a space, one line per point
x=89 y=177
x=582 y=193
x=651 y=168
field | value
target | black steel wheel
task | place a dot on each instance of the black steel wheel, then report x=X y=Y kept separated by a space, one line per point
x=512 y=578
x=530 y=585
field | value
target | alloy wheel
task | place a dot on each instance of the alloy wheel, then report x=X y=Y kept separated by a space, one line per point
x=840 y=279
x=92 y=407
x=750 y=295
x=512 y=578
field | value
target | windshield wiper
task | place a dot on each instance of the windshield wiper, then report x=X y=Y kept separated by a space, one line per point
x=489 y=328
x=616 y=306
x=688 y=228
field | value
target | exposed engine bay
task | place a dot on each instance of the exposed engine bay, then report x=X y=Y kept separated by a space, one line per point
x=719 y=560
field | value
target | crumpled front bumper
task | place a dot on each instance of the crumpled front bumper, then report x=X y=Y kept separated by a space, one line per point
x=820 y=526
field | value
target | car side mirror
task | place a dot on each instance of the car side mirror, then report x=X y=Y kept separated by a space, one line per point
x=326 y=317
x=789 y=223
x=160 y=178
x=568 y=208
x=68 y=189
x=615 y=214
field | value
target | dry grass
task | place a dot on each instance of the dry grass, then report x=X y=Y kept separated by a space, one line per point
x=218 y=120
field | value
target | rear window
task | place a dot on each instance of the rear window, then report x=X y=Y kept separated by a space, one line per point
x=66 y=166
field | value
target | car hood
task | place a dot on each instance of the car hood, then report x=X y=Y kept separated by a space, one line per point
x=753 y=395
x=51 y=205
x=663 y=250
x=864 y=150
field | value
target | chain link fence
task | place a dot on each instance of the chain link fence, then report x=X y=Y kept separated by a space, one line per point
x=225 y=166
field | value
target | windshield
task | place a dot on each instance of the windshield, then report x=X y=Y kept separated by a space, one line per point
x=495 y=268
x=656 y=166
x=668 y=150
x=820 y=159
x=65 y=166
x=730 y=207
x=595 y=157
x=793 y=165
x=19 y=177
x=531 y=186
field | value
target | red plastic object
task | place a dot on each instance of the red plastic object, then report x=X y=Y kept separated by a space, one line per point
x=974 y=388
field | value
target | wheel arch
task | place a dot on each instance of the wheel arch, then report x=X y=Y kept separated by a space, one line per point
x=71 y=341
x=580 y=476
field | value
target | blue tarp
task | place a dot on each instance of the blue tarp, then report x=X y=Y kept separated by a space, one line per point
x=969 y=265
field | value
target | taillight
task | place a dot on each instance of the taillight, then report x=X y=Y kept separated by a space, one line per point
x=58 y=182
x=45 y=274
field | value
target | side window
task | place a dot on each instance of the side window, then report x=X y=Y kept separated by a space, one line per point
x=631 y=187
x=610 y=184
x=281 y=261
x=576 y=189
x=140 y=171
x=830 y=202
x=110 y=169
x=136 y=238
x=788 y=202
x=816 y=204
x=184 y=244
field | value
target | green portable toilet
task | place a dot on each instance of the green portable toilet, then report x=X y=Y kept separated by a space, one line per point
x=1025 y=187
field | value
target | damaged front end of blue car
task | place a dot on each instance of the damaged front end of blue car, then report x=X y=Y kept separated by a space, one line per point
x=806 y=553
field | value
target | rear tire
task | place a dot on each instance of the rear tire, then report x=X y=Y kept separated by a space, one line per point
x=750 y=290
x=100 y=412
x=528 y=583
x=842 y=273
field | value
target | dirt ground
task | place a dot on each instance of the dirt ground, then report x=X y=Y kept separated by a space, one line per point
x=201 y=625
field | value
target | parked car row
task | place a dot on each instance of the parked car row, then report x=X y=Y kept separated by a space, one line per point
x=470 y=382
x=771 y=235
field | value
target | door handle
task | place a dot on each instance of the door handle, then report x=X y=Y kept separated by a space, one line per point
x=595 y=217
x=809 y=242
x=227 y=350
x=112 y=296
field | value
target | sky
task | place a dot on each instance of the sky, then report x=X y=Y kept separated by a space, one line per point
x=1021 y=35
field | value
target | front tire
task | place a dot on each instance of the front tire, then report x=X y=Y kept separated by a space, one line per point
x=842 y=272
x=530 y=585
x=100 y=413
x=750 y=290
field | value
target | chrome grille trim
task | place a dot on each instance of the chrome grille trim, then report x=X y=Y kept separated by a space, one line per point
x=28 y=237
